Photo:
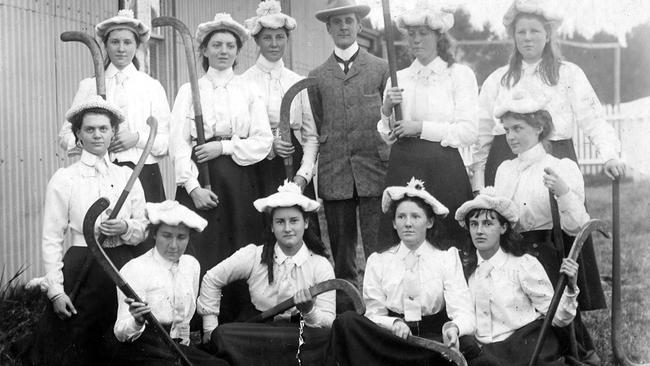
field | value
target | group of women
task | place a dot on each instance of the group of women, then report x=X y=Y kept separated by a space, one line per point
x=523 y=120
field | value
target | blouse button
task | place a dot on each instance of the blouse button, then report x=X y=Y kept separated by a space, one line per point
x=535 y=245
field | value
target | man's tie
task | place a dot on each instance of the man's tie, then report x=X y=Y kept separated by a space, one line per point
x=178 y=330
x=346 y=63
x=120 y=98
x=484 y=286
x=412 y=305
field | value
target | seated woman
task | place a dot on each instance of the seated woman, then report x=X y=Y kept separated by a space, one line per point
x=410 y=288
x=167 y=280
x=510 y=290
x=286 y=266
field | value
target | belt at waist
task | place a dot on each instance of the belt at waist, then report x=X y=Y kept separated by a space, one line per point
x=215 y=138
x=429 y=323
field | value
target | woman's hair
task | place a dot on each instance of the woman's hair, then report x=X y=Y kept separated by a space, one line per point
x=444 y=47
x=107 y=60
x=257 y=36
x=434 y=235
x=205 y=63
x=549 y=68
x=77 y=120
x=310 y=238
x=510 y=241
x=540 y=119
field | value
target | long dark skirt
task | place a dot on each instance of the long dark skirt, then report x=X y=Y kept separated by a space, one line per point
x=150 y=350
x=445 y=177
x=81 y=339
x=357 y=341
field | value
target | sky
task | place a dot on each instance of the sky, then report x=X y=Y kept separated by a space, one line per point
x=586 y=17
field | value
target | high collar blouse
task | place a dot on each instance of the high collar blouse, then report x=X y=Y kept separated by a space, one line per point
x=513 y=292
x=69 y=194
x=169 y=288
x=442 y=285
x=245 y=263
x=232 y=108
x=144 y=97
x=443 y=97
x=572 y=102
x=521 y=180
x=273 y=80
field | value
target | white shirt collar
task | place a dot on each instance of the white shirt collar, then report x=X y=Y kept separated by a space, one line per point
x=437 y=65
x=403 y=250
x=111 y=70
x=345 y=54
x=220 y=77
x=299 y=258
x=268 y=66
x=533 y=154
x=91 y=159
x=162 y=261
x=497 y=260
x=532 y=67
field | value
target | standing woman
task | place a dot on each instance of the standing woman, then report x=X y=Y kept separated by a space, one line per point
x=137 y=94
x=237 y=136
x=72 y=333
x=270 y=29
x=438 y=98
x=536 y=63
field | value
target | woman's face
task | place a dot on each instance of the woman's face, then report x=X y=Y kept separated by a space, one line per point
x=289 y=226
x=530 y=38
x=221 y=50
x=520 y=135
x=95 y=133
x=486 y=232
x=171 y=241
x=120 y=47
x=272 y=43
x=411 y=223
x=423 y=43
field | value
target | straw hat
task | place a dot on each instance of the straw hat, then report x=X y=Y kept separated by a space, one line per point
x=288 y=195
x=94 y=101
x=123 y=20
x=520 y=100
x=338 y=7
x=173 y=213
x=436 y=17
x=414 y=188
x=548 y=9
x=221 y=21
x=269 y=15
x=489 y=200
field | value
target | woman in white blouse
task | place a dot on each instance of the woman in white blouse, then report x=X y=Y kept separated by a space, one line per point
x=510 y=290
x=72 y=333
x=136 y=94
x=413 y=287
x=438 y=98
x=287 y=265
x=238 y=136
x=167 y=281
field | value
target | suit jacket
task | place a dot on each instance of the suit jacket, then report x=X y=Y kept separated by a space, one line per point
x=346 y=109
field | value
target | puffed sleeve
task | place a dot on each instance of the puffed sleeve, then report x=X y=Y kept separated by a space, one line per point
x=462 y=129
x=309 y=136
x=535 y=284
x=55 y=224
x=126 y=328
x=324 y=311
x=159 y=109
x=86 y=88
x=373 y=294
x=589 y=114
x=458 y=299
x=573 y=213
x=486 y=123
x=258 y=144
x=180 y=148
x=236 y=267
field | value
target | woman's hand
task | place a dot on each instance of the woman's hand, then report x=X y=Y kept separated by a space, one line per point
x=304 y=301
x=137 y=310
x=282 y=148
x=400 y=329
x=300 y=181
x=63 y=307
x=553 y=182
x=614 y=168
x=204 y=199
x=570 y=268
x=450 y=336
x=123 y=140
x=392 y=98
x=207 y=336
x=407 y=129
x=113 y=227
x=208 y=151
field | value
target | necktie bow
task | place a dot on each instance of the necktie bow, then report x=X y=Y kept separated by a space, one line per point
x=346 y=63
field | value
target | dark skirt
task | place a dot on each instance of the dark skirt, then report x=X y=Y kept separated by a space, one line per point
x=151 y=180
x=356 y=340
x=81 y=339
x=445 y=177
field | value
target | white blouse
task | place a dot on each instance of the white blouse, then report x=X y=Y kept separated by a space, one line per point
x=443 y=98
x=144 y=97
x=70 y=193
x=521 y=180
x=512 y=292
x=169 y=288
x=442 y=285
x=273 y=80
x=572 y=101
x=245 y=263
x=231 y=107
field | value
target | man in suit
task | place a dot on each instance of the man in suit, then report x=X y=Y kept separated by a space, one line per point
x=353 y=158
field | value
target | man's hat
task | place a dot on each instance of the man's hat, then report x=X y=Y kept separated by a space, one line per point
x=338 y=7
